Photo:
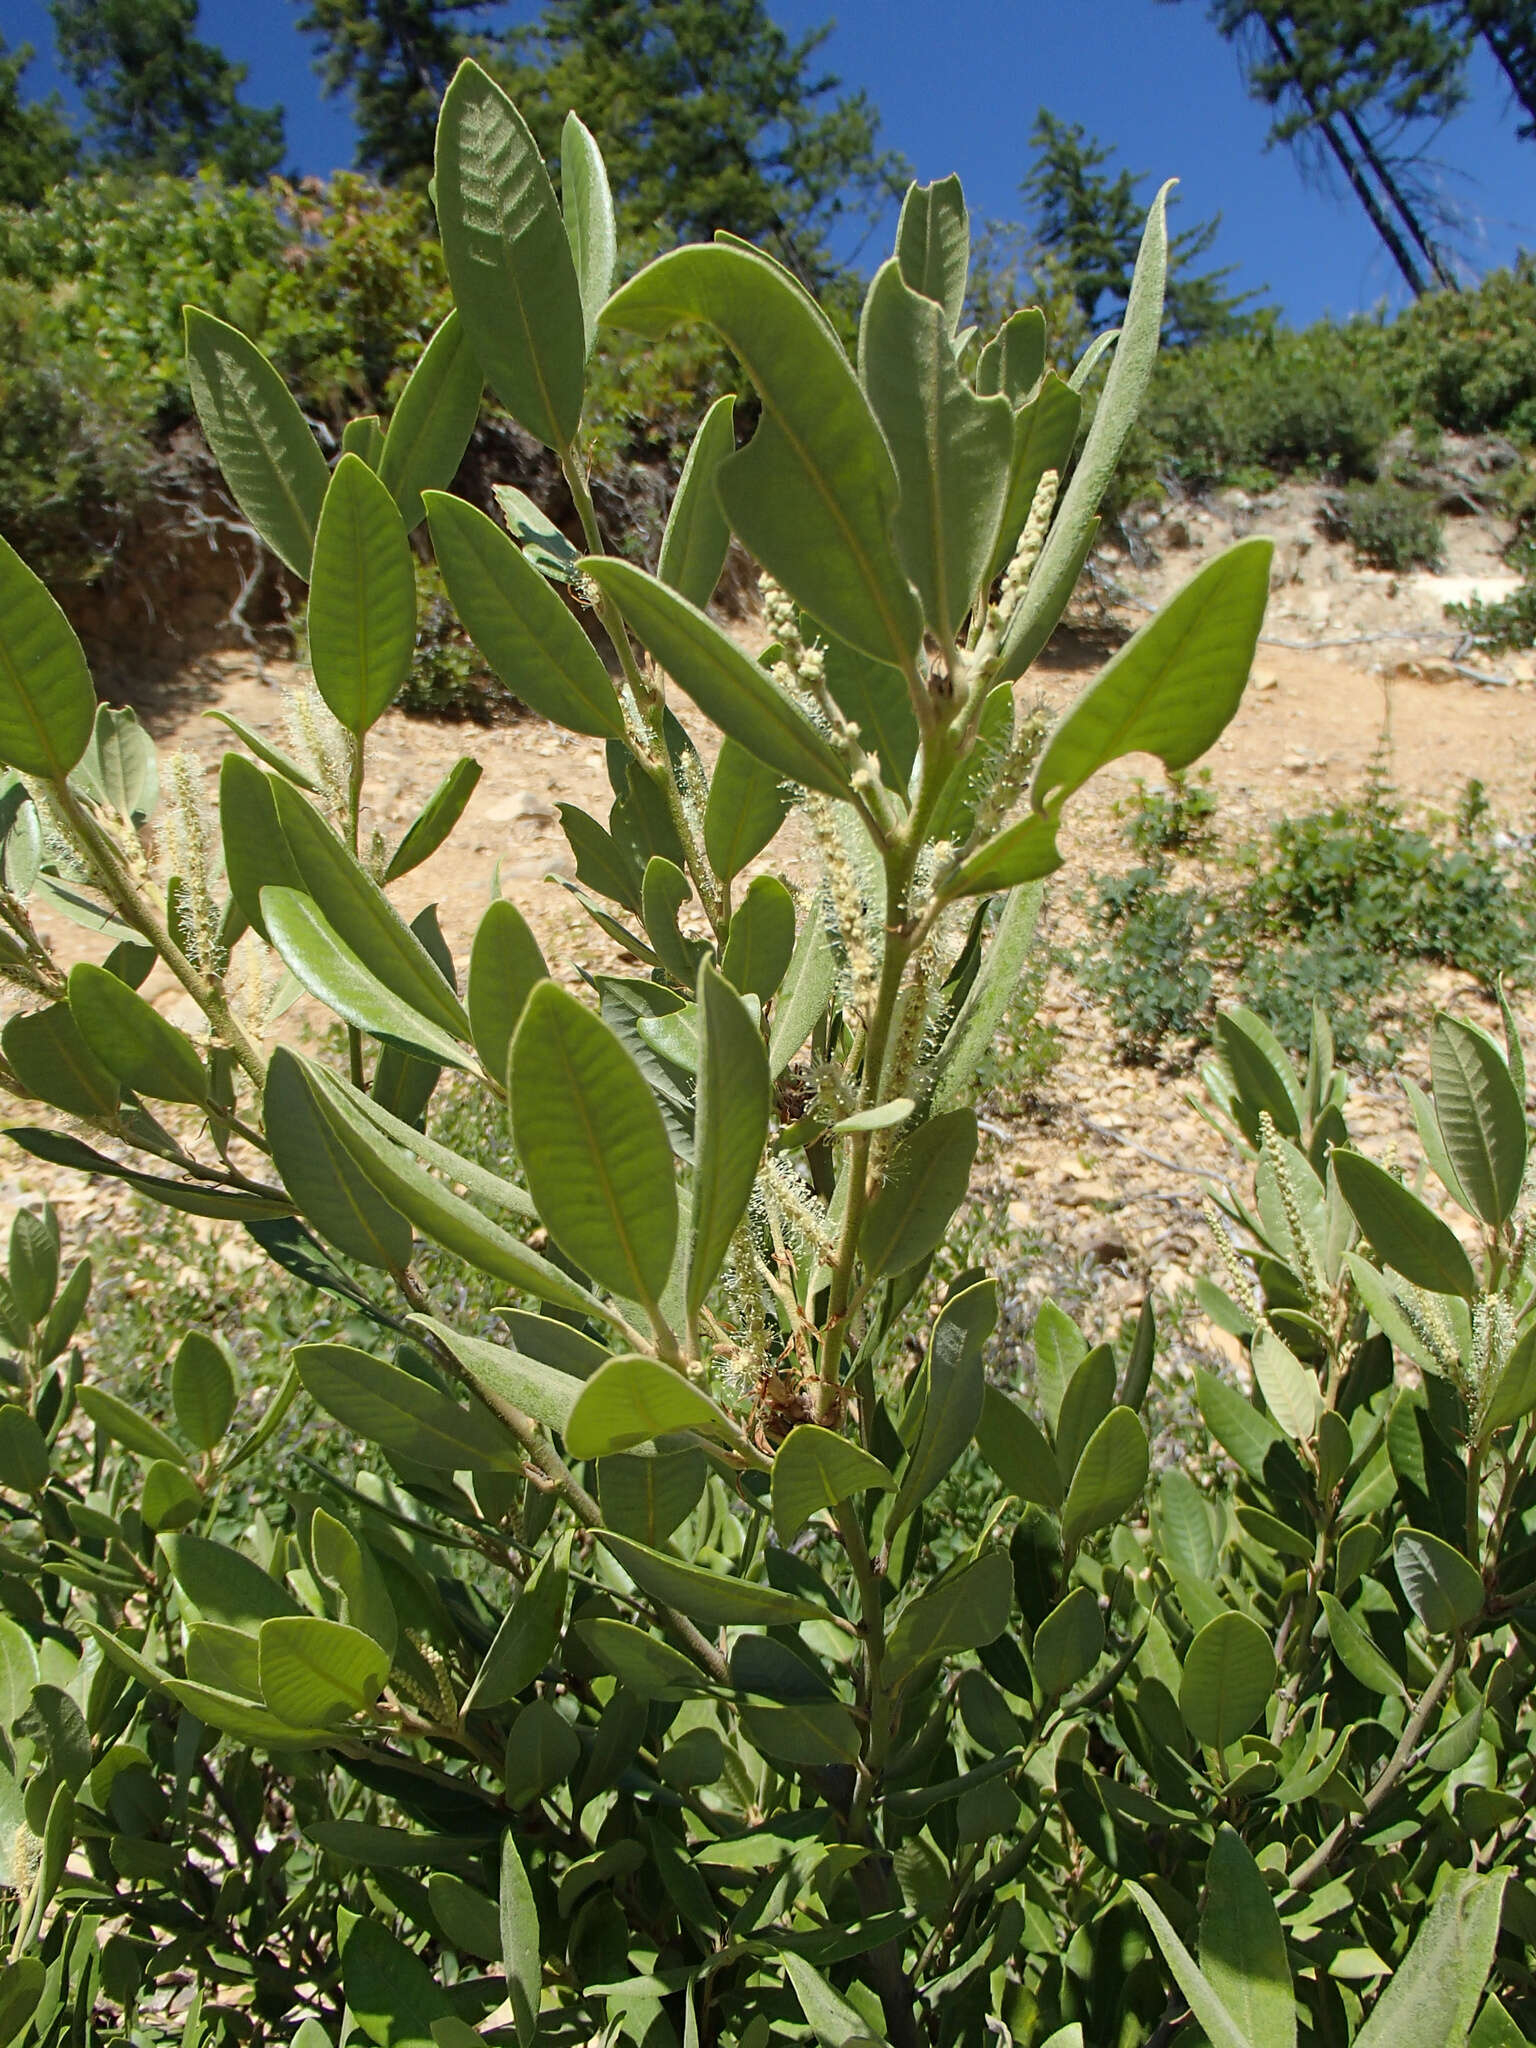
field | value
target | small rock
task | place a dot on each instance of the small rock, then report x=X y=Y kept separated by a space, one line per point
x=521 y=804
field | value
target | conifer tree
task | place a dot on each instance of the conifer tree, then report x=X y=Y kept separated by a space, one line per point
x=159 y=97
x=393 y=59
x=37 y=145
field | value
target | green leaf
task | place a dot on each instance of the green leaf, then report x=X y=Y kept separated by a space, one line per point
x=224 y=1586
x=509 y=259
x=1086 y=1399
x=1110 y=1477
x=520 y=1946
x=362 y=598
x=664 y=889
x=506 y=1376
x=808 y=1734
x=256 y=851
x=1242 y=1946
x=747 y=805
x=125 y=1425
x=648 y=1497
x=362 y=916
x=437 y=818
x=876 y=698
x=543 y=1749
x=933 y=244
x=44 y=1049
x=64 y=1317
x=320 y=1174
x=522 y=627
x=401 y=1413
x=1013 y=361
x=1229 y=1675
x=505 y=965
x=128 y=1036
x=648 y=1667
x=1044 y=435
x=260 y=439
x=1432 y=1998
x=1358 y=1653
x=710 y=1599
x=528 y=1637
x=1404 y=1231
x=1068 y=1643
x=834 y=2022
x=118 y=768
x=728 y=686
x=812 y=494
x=732 y=1102
x=1221 y=2029
x=1442 y=1588
x=814 y=1468
x=21 y=1988
x=1170 y=691
x=202 y=1390
x=1072 y=532
x=1513 y=1393
x=323 y=963
x=193 y=1199
x=587 y=205
x=952 y=449
x=964 y=1610
x=1247 y=1436
x=761 y=939
x=1293 y=1395
x=1481 y=1117
x=632 y=1400
x=391 y=1994
x=318 y=1674
x=925 y=1183
x=697 y=537
x=1261 y=1073
x=430 y=427
x=954 y=1379
x=1017 y=1450
x=992 y=995
x=33 y=1261
x=593 y=1145
x=24 y=1462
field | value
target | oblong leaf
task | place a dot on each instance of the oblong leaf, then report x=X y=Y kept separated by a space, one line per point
x=430 y=427
x=632 y=1400
x=508 y=258
x=721 y=678
x=1068 y=1643
x=316 y=1673
x=811 y=495
x=964 y=1610
x=747 y=805
x=732 y=1103
x=1228 y=1677
x=46 y=1052
x=925 y=1184
x=697 y=538
x=320 y=960
x=815 y=1468
x=593 y=1145
x=1444 y=1590
x=47 y=701
x=521 y=626
x=505 y=966
x=401 y=1413
x=1242 y=1945
x=260 y=440
x=1110 y=1477
x=711 y=1599
x=132 y=1040
x=362 y=598
x=587 y=205
x=1481 y=1117
x=761 y=941
x=326 y=1184
x=1405 y=1232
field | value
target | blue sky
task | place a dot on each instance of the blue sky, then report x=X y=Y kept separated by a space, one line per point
x=958 y=88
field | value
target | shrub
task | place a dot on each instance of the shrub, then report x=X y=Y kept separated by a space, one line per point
x=1389 y=524
x=636 y=1681
x=1153 y=968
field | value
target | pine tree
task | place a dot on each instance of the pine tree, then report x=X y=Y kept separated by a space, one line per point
x=37 y=145
x=159 y=97
x=1089 y=223
x=710 y=116
x=393 y=59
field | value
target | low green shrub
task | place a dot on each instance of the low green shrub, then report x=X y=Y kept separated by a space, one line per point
x=631 y=1662
x=1153 y=964
x=1389 y=524
x=1501 y=625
